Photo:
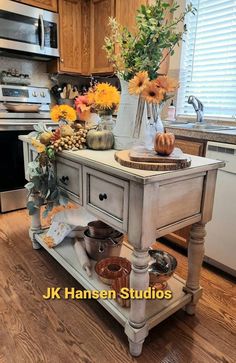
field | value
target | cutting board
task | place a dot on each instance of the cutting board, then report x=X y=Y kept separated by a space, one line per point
x=163 y=164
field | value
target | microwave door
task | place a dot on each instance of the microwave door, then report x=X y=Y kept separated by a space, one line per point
x=28 y=29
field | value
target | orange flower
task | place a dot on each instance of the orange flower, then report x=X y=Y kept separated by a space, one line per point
x=168 y=84
x=138 y=83
x=152 y=93
x=63 y=112
x=103 y=96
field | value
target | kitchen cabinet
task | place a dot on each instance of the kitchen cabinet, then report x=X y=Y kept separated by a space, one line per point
x=43 y=4
x=70 y=34
x=193 y=147
x=101 y=10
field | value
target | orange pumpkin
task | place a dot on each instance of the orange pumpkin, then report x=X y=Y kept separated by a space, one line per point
x=164 y=143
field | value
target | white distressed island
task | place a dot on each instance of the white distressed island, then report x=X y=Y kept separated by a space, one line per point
x=146 y=205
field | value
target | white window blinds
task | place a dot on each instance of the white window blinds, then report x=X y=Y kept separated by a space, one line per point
x=208 y=65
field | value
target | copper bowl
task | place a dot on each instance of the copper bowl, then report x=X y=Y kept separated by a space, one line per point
x=99 y=229
x=117 y=285
x=161 y=268
x=109 y=269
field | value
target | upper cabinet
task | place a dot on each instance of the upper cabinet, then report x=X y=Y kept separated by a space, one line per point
x=70 y=20
x=70 y=38
x=100 y=12
x=43 y=4
x=126 y=12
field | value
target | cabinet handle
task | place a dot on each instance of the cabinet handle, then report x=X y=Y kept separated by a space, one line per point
x=64 y=180
x=102 y=196
x=62 y=60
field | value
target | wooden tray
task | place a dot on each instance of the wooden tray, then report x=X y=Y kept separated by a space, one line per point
x=149 y=156
x=123 y=157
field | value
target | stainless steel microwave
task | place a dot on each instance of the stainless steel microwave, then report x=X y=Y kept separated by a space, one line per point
x=27 y=29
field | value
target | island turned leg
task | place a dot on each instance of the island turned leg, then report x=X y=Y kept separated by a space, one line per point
x=136 y=328
x=35 y=224
x=195 y=259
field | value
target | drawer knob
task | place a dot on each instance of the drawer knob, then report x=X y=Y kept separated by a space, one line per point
x=64 y=180
x=102 y=196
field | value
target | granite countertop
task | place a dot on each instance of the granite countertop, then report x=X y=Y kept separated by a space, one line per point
x=225 y=136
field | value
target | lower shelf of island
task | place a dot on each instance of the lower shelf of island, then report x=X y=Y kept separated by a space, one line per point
x=156 y=310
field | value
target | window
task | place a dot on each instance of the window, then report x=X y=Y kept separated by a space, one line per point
x=208 y=64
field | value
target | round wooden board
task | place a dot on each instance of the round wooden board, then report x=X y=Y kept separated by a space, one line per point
x=123 y=158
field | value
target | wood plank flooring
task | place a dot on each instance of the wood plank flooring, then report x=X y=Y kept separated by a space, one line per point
x=65 y=331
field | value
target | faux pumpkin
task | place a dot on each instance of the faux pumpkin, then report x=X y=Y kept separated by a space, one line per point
x=100 y=139
x=164 y=143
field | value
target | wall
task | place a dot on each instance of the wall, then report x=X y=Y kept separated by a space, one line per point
x=37 y=70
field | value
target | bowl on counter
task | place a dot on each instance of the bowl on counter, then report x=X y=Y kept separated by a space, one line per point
x=161 y=268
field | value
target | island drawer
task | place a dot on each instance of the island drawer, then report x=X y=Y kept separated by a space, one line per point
x=69 y=177
x=107 y=197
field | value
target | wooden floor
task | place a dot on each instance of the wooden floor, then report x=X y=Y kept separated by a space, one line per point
x=35 y=330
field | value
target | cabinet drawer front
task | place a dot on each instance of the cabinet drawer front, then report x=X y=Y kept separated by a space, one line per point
x=69 y=177
x=107 y=197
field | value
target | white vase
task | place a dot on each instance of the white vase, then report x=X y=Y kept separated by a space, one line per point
x=126 y=117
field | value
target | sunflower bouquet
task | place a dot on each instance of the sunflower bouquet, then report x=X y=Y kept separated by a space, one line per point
x=103 y=98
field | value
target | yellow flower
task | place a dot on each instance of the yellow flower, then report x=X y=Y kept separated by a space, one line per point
x=138 y=83
x=63 y=112
x=103 y=96
x=152 y=93
x=40 y=148
x=168 y=84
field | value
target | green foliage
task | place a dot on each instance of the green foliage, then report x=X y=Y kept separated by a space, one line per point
x=131 y=53
x=43 y=181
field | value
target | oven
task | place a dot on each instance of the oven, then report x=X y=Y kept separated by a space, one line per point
x=12 y=124
x=28 y=30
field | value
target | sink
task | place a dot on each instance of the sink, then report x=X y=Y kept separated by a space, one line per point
x=200 y=127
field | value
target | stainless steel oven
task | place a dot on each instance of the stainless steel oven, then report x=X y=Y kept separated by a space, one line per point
x=27 y=29
x=13 y=124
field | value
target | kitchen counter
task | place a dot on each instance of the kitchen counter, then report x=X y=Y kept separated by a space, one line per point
x=225 y=136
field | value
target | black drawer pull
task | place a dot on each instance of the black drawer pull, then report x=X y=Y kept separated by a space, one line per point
x=102 y=196
x=64 y=180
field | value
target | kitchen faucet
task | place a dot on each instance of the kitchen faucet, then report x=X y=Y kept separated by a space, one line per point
x=198 y=107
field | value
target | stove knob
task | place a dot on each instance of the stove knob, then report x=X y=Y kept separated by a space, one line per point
x=34 y=94
x=42 y=94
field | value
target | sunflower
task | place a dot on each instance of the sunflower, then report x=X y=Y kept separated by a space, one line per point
x=40 y=148
x=168 y=84
x=138 y=83
x=152 y=93
x=63 y=112
x=103 y=96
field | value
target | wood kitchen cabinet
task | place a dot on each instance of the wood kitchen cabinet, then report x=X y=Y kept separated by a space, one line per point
x=193 y=147
x=70 y=32
x=43 y=4
x=101 y=10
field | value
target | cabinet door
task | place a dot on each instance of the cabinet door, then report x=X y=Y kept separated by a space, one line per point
x=43 y=4
x=70 y=36
x=126 y=12
x=101 y=10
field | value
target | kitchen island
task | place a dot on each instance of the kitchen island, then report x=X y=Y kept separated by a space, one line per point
x=146 y=205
